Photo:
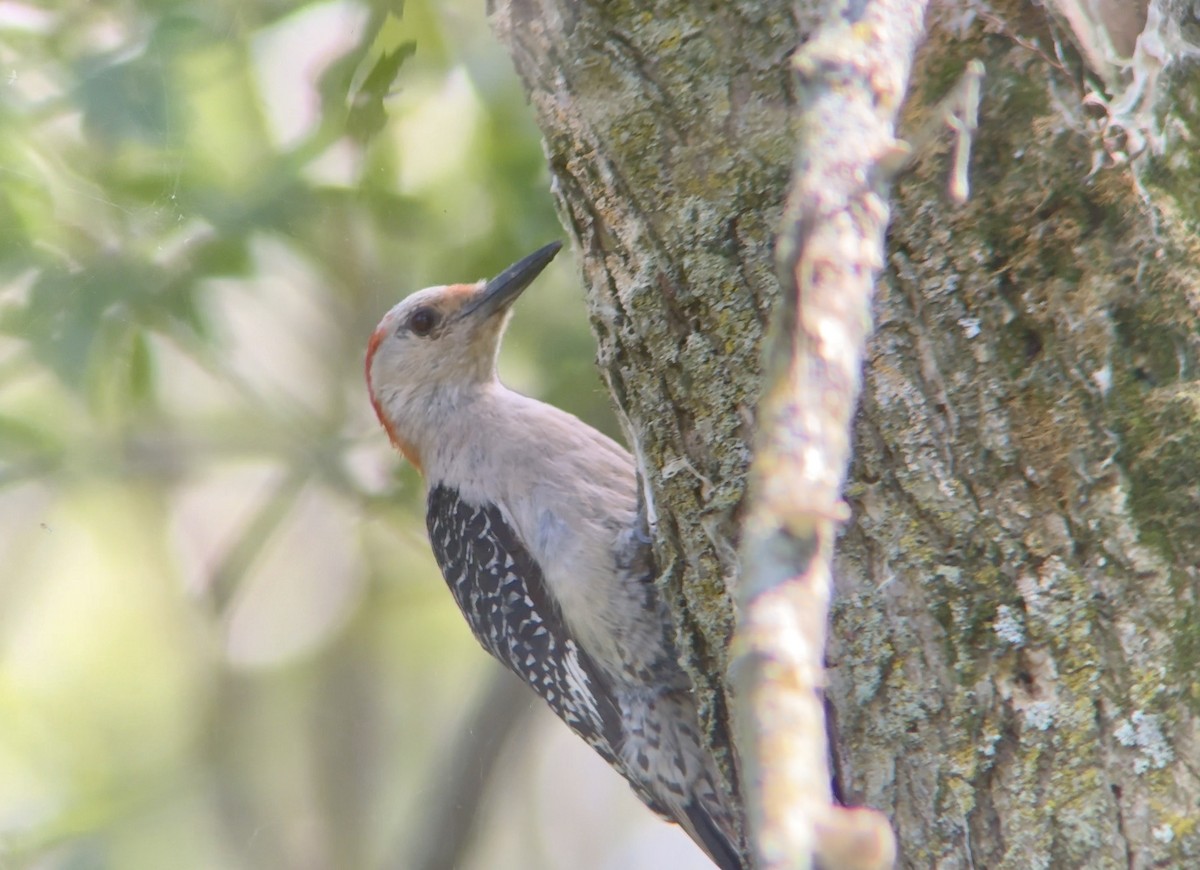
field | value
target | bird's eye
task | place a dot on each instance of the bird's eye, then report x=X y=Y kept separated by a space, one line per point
x=422 y=321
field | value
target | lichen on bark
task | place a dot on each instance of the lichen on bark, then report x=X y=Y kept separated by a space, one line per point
x=1014 y=647
x=1019 y=547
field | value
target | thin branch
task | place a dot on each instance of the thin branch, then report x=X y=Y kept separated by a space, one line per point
x=958 y=111
x=853 y=75
x=225 y=582
x=448 y=829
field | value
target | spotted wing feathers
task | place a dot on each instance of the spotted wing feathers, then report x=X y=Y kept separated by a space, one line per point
x=502 y=594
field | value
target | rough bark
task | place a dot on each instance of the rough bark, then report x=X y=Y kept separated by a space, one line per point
x=1014 y=644
x=1014 y=649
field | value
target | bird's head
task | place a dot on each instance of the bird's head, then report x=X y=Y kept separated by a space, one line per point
x=437 y=345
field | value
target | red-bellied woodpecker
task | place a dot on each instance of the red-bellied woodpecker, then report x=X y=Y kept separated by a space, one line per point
x=533 y=517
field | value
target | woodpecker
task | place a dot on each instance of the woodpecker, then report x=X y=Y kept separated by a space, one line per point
x=533 y=519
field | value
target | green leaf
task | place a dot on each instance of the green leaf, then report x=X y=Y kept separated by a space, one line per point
x=367 y=115
x=127 y=100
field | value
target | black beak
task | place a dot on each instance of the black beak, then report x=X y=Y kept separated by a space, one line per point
x=503 y=290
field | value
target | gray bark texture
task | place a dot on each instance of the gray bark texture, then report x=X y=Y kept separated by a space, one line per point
x=1014 y=650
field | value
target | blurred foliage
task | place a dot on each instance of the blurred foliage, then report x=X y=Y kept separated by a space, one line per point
x=223 y=642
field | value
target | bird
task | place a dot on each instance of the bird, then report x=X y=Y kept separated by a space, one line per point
x=534 y=520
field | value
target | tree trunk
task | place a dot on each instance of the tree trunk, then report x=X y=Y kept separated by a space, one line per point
x=1014 y=648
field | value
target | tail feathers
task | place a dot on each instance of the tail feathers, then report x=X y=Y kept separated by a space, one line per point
x=710 y=837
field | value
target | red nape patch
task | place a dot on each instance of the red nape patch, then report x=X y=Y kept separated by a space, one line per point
x=406 y=449
x=372 y=346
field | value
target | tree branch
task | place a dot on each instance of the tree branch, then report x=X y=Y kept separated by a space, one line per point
x=853 y=75
x=462 y=781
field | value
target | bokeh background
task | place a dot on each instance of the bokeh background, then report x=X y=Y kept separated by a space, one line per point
x=223 y=640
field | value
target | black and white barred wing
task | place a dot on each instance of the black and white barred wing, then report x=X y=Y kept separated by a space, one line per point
x=502 y=593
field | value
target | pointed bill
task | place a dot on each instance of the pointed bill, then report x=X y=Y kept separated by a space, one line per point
x=503 y=290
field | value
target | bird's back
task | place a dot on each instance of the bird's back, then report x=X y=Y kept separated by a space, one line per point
x=544 y=557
